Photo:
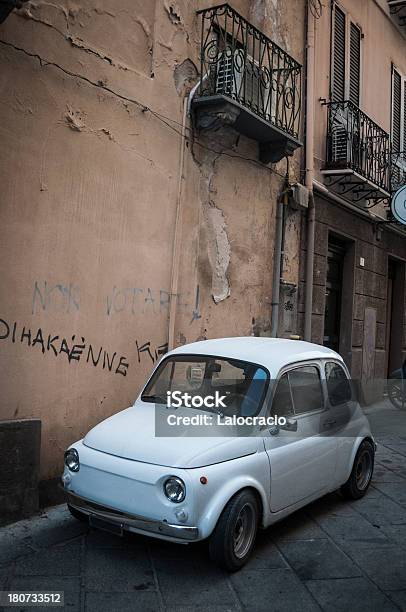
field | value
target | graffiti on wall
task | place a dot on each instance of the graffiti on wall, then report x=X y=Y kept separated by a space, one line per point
x=139 y=300
x=60 y=297
x=144 y=300
x=55 y=296
x=153 y=352
x=65 y=298
x=76 y=349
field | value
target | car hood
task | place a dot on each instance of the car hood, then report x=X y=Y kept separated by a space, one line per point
x=131 y=434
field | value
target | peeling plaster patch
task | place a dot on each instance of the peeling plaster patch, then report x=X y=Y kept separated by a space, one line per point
x=46 y=14
x=108 y=134
x=144 y=25
x=74 y=120
x=173 y=12
x=216 y=237
x=80 y=44
x=219 y=251
x=184 y=75
x=70 y=17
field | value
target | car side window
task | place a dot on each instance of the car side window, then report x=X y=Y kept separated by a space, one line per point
x=282 y=400
x=338 y=386
x=306 y=389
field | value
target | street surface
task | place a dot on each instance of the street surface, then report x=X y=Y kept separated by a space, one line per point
x=333 y=555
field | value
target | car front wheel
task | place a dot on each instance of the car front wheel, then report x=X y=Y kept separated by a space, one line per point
x=233 y=538
x=360 y=478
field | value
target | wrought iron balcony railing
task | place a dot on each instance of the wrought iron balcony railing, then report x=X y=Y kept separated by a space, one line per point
x=241 y=65
x=357 y=145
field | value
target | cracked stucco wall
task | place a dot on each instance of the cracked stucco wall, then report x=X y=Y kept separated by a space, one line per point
x=219 y=251
x=90 y=175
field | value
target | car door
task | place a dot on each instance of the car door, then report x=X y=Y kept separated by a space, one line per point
x=302 y=462
x=345 y=414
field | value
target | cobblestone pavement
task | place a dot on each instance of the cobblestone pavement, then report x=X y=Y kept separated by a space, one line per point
x=332 y=555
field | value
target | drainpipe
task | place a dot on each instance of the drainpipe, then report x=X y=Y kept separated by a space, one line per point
x=277 y=261
x=177 y=240
x=309 y=153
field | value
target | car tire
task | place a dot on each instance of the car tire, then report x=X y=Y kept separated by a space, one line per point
x=77 y=514
x=361 y=474
x=233 y=538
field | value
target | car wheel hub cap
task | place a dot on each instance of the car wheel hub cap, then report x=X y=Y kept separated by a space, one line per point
x=363 y=470
x=244 y=531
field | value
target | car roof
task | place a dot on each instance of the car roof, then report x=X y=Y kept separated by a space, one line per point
x=273 y=353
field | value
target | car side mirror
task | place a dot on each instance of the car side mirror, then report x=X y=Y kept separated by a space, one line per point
x=291 y=425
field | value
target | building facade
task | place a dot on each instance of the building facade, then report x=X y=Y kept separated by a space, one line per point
x=155 y=191
x=359 y=162
x=130 y=220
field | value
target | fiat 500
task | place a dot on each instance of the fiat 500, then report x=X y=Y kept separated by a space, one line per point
x=150 y=470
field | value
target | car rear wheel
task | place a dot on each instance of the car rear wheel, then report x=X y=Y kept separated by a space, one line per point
x=233 y=538
x=80 y=516
x=360 y=478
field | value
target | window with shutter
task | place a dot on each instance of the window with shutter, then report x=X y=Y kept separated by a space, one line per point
x=346 y=58
x=398 y=130
x=338 y=85
x=355 y=59
x=404 y=121
x=396 y=111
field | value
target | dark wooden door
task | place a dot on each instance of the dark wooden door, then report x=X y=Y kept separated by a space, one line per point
x=332 y=315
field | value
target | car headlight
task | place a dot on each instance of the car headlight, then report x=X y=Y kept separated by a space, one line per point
x=175 y=489
x=72 y=460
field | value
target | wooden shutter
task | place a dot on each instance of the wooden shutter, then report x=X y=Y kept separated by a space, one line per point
x=355 y=61
x=396 y=111
x=404 y=121
x=338 y=85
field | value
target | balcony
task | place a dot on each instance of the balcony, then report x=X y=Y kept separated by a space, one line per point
x=358 y=159
x=247 y=82
x=397 y=9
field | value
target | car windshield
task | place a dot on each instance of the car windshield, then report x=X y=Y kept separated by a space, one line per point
x=214 y=384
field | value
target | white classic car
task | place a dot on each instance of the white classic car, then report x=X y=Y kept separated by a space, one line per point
x=154 y=470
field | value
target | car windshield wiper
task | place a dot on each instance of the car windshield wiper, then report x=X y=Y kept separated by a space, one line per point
x=153 y=398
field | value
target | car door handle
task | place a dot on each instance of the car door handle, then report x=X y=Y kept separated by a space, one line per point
x=328 y=424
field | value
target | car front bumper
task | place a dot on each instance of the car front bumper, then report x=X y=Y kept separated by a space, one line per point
x=131 y=522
